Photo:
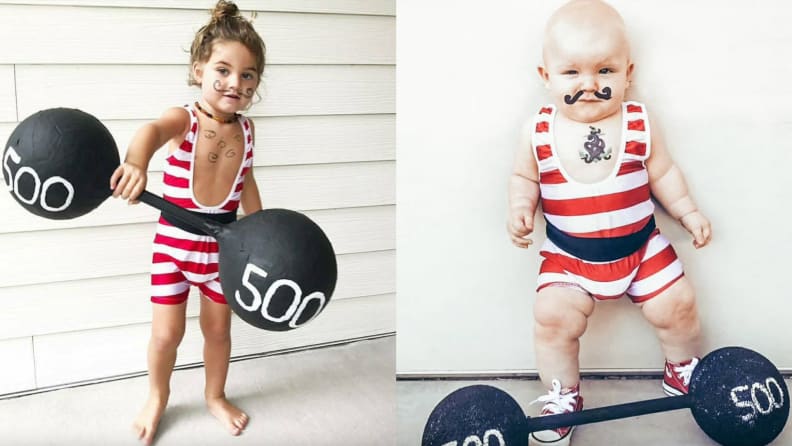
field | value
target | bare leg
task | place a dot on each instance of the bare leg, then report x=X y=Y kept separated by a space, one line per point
x=216 y=328
x=167 y=331
x=561 y=316
x=674 y=315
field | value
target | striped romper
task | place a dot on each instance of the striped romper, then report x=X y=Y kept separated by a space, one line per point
x=182 y=258
x=609 y=225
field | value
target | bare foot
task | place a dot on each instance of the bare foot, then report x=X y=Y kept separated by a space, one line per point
x=145 y=425
x=231 y=416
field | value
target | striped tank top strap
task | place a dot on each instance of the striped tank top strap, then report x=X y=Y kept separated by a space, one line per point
x=247 y=134
x=637 y=144
x=542 y=141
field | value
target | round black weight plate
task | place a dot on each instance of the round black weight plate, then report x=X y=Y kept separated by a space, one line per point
x=739 y=397
x=476 y=415
x=57 y=163
x=277 y=269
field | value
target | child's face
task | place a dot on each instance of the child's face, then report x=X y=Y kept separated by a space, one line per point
x=587 y=72
x=229 y=78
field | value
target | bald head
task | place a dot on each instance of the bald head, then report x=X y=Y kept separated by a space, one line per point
x=584 y=22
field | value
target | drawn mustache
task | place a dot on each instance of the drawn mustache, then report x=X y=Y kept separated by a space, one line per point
x=218 y=87
x=606 y=94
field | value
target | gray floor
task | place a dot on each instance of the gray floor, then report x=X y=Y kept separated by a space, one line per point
x=416 y=399
x=342 y=395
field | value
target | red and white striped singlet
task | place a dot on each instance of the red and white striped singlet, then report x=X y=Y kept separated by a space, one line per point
x=616 y=206
x=182 y=258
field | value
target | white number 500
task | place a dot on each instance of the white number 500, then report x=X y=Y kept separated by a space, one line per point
x=296 y=308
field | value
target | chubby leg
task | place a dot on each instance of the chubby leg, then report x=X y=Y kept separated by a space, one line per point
x=167 y=331
x=216 y=327
x=674 y=315
x=560 y=316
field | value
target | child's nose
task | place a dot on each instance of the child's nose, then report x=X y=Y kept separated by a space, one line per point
x=233 y=81
x=588 y=83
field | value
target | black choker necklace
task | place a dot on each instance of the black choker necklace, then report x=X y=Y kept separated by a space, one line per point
x=222 y=121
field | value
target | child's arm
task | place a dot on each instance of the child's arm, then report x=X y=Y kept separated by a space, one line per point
x=670 y=189
x=523 y=191
x=129 y=179
x=250 y=199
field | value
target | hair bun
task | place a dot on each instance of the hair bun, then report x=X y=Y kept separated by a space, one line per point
x=224 y=9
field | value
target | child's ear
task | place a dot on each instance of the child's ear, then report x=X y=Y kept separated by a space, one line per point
x=197 y=70
x=544 y=75
x=630 y=68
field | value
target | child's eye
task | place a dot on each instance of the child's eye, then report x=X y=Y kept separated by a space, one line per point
x=605 y=71
x=222 y=71
x=570 y=72
x=248 y=76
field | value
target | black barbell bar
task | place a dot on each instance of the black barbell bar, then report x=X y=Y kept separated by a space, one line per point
x=608 y=413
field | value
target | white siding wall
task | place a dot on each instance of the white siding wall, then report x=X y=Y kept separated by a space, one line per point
x=74 y=294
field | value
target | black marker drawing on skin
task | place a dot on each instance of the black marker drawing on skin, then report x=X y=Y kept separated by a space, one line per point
x=606 y=94
x=212 y=157
x=594 y=147
x=209 y=134
x=230 y=153
x=218 y=87
x=221 y=144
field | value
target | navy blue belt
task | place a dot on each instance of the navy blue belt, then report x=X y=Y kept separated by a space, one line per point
x=225 y=218
x=601 y=249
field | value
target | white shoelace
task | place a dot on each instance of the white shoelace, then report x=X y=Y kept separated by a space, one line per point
x=686 y=371
x=557 y=402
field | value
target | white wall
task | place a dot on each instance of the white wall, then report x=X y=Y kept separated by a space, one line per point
x=716 y=74
x=325 y=145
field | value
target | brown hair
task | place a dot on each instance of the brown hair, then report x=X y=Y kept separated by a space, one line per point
x=226 y=24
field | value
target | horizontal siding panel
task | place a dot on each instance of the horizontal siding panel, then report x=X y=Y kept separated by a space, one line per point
x=114 y=92
x=77 y=356
x=309 y=187
x=88 y=35
x=289 y=140
x=7 y=94
x=105 y=302
x=18 y=371
x=369 y=7
x=84 y=253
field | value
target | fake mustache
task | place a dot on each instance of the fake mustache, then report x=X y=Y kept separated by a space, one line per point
x=606 y=94
x=248 y=93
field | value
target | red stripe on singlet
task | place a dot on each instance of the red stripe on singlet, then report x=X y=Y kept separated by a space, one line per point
x=632 y=108
x=552 y=177
x=656 y=263
x=597 y=204
x=637 y=124
x=175 y=181
x=635 y=148
x=544 y=151
x=620 y=231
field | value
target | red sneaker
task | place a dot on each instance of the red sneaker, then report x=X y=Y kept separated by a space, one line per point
x=676 y=378
x=558 y=401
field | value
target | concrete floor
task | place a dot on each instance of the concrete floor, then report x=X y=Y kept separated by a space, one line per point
x=416 y=399
x=343 y=395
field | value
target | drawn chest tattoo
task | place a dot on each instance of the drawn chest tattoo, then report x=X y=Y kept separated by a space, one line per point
x=222 y=148
x=594 y=147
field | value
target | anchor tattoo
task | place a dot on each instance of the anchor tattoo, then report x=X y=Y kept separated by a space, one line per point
x=594 y=147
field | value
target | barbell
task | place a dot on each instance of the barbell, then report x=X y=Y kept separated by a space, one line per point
x=736 y=395
x=277 y=267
